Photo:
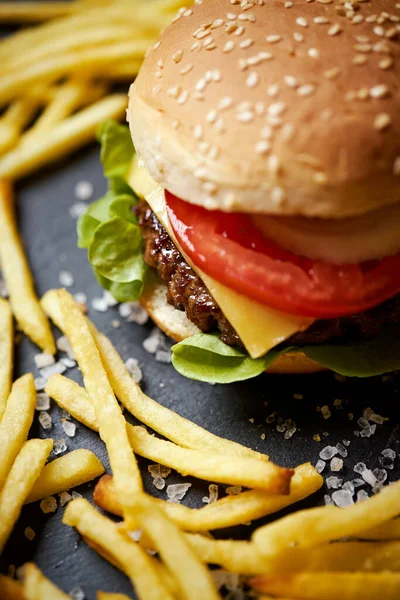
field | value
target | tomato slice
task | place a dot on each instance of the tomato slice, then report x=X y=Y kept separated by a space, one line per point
x=229 y=248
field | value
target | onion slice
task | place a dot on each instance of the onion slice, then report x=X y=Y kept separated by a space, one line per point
x=339 y=241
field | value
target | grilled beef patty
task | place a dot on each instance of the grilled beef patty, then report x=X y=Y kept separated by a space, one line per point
x=186 y=291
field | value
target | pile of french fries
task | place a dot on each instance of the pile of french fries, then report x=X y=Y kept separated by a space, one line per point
x=57 y=76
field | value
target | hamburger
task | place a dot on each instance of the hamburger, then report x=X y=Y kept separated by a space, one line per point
x=256 y=216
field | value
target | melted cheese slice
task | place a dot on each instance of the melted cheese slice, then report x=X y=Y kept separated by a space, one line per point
x=260 y=328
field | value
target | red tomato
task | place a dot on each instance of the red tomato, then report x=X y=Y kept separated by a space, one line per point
x=229 y=248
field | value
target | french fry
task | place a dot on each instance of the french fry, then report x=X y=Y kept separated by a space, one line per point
x=24 y=472
x=65 y=473
x=193 y=578
x=24 y=302
x=227 y=512
x=10 y=589
x=244 y=557
x=386 y=531
x=112 y=425
x=38 y=587
x=244 y=471
x=6 y=353
x=14 y=121
x=107 y=596
x=33 y=12
x=16 y=423
x=64 y=138
x=125 y=553
x=159 y=418
x=314 y=526
x=331 y=586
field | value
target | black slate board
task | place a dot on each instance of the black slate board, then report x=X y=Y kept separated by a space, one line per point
x=49 y=234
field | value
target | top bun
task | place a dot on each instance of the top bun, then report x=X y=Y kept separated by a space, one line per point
x=273 y=106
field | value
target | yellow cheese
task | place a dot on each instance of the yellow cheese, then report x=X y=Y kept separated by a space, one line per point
x=260 y=328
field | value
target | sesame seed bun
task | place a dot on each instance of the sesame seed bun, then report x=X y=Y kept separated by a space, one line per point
x=282 y=107
x=175 y=324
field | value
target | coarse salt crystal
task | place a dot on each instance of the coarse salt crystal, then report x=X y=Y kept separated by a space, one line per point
x=328 y=452
x=48 y=505
x=342 y=498
x=154 y=341
x=77 y=594
x=78 y=209
x=80 y=298
x=333 y=482
x=109 y=299
x=29 y=534
x=100 y=304
x=135 y=535
x=45 y=420
x=63 y=345
x=177 y=491
x=132 y=365
x=43 y=360
x=362 y=495
x=369 y=477
x=69 y=428
x=336 y=464
x=59 y=447
x=57 y=368
x=76 y=495
x=233 y=490
x=42 y=401
x=349 y=486
x=320 y=466
x=328 y=500
x=83 y=190
x=159 y=483
x=40 y=383
x=341 y=450
x=360 y=468
x=65 y=497
x=68 y=363
x=66 y=279
x=213 y=494
x=164 y=356
x=325 y=411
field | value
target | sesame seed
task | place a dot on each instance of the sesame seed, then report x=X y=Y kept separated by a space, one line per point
x=298 y=37
x=320 y=177
x=273 y=39
x=201 y=85
x=246 y=43
x=220 y=126
x=161 y=63
x=157 y=89
x=245 y=116
x=359 y=59
x=332 y=73
x=252 y=79
x=187 y=69
x=273 y=164
x=302 y=21
x=385 y=63
x=177 y=57
x=198 y=132
x=379 y=91
x=267 y=132
x=211 y=116
x=174 y=91
x=217 y=23
x=260 y=108
x=334 y=29
x=306 y=90
x=321 y=20
x=188 y=13
x=229 y=46
x=379 y=31
x=290 y=81
x=362 y=47
x=273 y=89
x=239 y=30
x=263 y=147
x=225 y=103
x=313 y=53
x=183 y=97
x=276 y=109
x=288 y=4
x=396 y=166
x=382 y=121
x=230 y=27
x=278 y=195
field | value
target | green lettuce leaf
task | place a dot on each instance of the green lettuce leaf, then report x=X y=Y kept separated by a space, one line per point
x=109 y=227
x=205 y=358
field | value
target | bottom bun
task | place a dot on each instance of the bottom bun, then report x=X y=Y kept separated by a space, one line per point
x=177 y=326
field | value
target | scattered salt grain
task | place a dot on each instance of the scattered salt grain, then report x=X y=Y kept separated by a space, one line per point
x=164 y=356
x=65 y=497
x=48 y=505
x=83 y=190
x=109 y=299
x=342 y=498
x=360 y=468
x=333 y=483
x=348 y=486
x=368 y=431
x=66 y=279
x=224 y=579
x=135 y=535
x=159 y=483
x=77 y=594
x=213 y=494
x=341 y=450
x=43 y=360
x=45 y=420
x=63 y=345
x=100 y=305
x=132 y=365
x=328 y=500
x=80 y=298
x=362 y=495
x=325 y=411
x=177 y=491
x=40 y=383
x=369 y=477
x=47 y=372
x=389 y=453
x=59 y=446
x=336 y=464
x=76 y=495
x=370 y=415
x=380 y=474
x=68 y=363
x=134 y=313
x=387 y=459
x=328 y=452
x=42 y=401
x=69 y=428
x=77 y=209
x=29 y=534
x=358 y=482
x=320 y=466
x=233 y=490
x=3 y=289
x=154 y=470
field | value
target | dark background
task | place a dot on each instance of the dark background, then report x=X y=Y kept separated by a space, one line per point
x=50 y=238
